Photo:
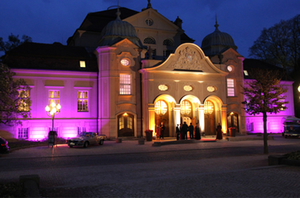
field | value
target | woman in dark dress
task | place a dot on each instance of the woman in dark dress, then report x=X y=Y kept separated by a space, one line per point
x=197 y=132
x=219 y=132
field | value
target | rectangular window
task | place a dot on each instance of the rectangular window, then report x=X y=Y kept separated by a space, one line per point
x=81 y=129
x=53 y=97
x=23 y=103
x=82 y=63
x=23 y=133
x=121 y=123
x=230 y=87
x=82 y=101
x=125 y=84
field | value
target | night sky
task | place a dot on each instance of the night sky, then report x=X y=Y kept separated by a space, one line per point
x=48 y=21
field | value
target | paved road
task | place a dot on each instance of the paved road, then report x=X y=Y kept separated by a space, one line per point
x=220 y=169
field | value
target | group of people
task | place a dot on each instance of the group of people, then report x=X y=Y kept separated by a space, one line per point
x=181 y=131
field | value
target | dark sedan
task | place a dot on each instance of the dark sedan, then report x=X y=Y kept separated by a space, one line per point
x=3 y=145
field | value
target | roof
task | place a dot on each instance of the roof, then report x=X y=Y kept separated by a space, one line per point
x=250 y=64
x=96 y=21
x=217 y=42
x=50 y=56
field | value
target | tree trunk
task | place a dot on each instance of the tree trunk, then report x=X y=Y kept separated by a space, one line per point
x=265 y=133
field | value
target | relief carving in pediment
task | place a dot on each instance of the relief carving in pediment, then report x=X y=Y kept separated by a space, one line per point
x=188 y=59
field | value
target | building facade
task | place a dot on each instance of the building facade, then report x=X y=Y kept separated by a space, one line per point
x=124 y=72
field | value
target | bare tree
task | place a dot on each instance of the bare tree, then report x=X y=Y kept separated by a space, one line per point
x=264 y=94
x=279 y=44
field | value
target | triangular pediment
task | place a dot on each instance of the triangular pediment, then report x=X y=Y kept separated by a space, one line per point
x=189 y=57
x=158 y=21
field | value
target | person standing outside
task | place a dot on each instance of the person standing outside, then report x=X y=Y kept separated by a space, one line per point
x=177 y=131
x=191 y=130
x=197 y=132
x=184 y=129
x=219 y=132
x=162 y=130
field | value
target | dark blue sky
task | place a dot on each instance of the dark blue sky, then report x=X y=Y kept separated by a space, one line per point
x=48 y=21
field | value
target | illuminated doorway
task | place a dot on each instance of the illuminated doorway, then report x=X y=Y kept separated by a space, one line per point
x=209 y=116
x=162 y=115
x=125 y=125
x=233 y=121
x=186 y=112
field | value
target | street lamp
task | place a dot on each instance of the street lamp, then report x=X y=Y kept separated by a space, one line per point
x=52 y=110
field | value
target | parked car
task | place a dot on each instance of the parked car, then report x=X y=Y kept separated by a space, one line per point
x=85 y=139
x=4 y=148
x=291 y=127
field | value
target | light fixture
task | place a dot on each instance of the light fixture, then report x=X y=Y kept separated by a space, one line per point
x=53 y=110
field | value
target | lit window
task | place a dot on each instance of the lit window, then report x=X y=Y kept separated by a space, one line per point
x=129 y=123
x=82 y=101
x=121 y=122
x=24 y=100
x=185 y=107
x=53 y=97
x=161 y=107
x=22 y=133
x=82 y=63
x=230 y=87
x=125 y=84
x=246 y=73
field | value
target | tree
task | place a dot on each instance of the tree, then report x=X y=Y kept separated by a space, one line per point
x=279 y=44
x=15 y=100
x=13 y=41
x=264 y=94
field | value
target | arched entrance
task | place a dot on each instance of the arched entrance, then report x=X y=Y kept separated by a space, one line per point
x=125 y=125
x=233 y=121
x=162 y=116
x=209 y=117
x=186 y=112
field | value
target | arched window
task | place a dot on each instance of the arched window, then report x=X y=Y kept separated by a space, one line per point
x=185 y=107
x=149 y=40
x=161 y=107
x=168 y=42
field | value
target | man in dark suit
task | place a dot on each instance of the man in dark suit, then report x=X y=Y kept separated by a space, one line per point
x=184 y=129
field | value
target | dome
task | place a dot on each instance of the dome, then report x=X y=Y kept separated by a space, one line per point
x=118 y=30
x=217 y=42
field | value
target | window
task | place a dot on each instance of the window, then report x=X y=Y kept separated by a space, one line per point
x=22 y=133
x=168 y=42
x=149 y=40
x=121 y=122
x=161 y=107
x=23 y=101
x=129 y=123
x=81 y=129
x=125 y=84
x=230 y=87
x=53 y=97
x=82 y=64
x=82 y=101
x=185 y=108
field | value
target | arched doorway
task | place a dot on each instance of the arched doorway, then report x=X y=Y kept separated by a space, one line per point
x=186 y=112
x=162 y=116
x=233 y=121
x=209 y=116
x=125 y=125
